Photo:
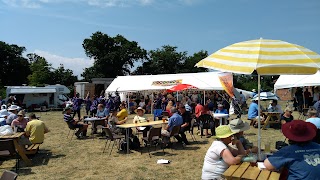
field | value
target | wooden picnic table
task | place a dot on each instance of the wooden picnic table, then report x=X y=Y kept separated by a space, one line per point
x=245 y=171
x=269 y=119
x=128 y=126
x=21 y=151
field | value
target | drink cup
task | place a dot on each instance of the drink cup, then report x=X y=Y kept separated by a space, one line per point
x=267 y=148
x=136 y=122
x=163 y=120
x=15 y=129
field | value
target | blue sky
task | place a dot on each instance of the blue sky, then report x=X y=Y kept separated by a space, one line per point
x=56 y=29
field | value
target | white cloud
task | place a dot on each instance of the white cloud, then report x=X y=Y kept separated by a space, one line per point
x=97 y=3
x=77 y=65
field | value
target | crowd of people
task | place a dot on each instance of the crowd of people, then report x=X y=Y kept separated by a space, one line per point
x=13 y=119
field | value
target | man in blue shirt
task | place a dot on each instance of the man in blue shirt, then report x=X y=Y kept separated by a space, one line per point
x=312 y=113
x=253 y=110
x=174 y=120
x=301 y=158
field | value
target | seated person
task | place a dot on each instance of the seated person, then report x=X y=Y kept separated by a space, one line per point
x=286 y=116
x=312 y=114
x=186 y=117
x=20 y=123
x=174 y=120
x=141 y=118
x=219 y=157
x=274 y=107
x=301 y=157
x=221 y=110
x=35 y=130
x=74 y=123
x=113 y=121
x=3 y=116
x=101 y=113
x=253 y=110
x=238 y=127
x=123 y=113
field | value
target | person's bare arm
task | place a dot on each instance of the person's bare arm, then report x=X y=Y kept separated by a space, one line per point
x=229 y=158
x=185 y=125
x=268 y=165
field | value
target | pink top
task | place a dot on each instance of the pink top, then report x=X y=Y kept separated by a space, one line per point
x=199 y=110
x=21 y=124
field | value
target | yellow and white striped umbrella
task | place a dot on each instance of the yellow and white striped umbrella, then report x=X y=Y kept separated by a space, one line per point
x=267 y=57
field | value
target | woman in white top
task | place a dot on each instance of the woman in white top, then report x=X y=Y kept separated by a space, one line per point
x=141 y=118
x=219 y=157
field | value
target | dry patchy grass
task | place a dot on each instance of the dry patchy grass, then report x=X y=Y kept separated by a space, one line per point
x=62 y=158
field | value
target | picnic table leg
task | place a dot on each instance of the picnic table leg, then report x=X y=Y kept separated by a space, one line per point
x=21 y=152
x=220 y=121
x=266 y=122
x=127 y=137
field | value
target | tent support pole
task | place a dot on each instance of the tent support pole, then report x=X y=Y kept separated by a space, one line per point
x=128 y=101
x=204 y=97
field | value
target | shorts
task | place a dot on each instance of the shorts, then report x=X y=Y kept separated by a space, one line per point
x=78 y=125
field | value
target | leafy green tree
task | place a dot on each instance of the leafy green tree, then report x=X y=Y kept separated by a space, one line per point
x=112 y=56
x=64 y=76
x=41 y=70
x=14 y=68
x=188 y=65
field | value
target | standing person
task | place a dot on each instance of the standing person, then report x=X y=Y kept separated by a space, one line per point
x=77 y=102
x=301 y=157
x=74 y=123
x=254 y=92
x=307 y=96
x=94 y=106
x=299 y=97
x=36 y=129
x=199 y=109
x=13 y=110
x=88 y=103
x=219 y=157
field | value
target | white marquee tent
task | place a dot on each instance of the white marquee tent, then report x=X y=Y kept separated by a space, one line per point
x=289 y=81
x=203 y=81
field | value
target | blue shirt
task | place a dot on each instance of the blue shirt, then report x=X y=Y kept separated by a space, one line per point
x=253 y=111
x=175 y=120
x=315 y=121
x=103 y=113
x=302 y=162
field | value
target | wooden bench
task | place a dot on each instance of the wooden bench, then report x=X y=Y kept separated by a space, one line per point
x=33 y=149
x=245 y=171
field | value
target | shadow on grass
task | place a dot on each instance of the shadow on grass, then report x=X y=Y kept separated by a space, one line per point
x=250 y=134
x=43 y=157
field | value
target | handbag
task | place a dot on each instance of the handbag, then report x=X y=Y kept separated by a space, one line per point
x=281 y=144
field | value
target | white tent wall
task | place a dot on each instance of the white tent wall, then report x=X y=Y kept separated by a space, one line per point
x=289 y=81
x=203 y=81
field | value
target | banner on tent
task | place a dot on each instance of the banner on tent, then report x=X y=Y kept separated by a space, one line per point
x=167 y=83
x=226 y=80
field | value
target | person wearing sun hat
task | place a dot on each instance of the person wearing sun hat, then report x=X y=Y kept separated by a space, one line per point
x=302 y=157
x=218 y=157
x=3 y=116
x=141 y=118
x=238 y=127
x=13 y=110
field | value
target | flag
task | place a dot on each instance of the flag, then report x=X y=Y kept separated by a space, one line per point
x=226 y=80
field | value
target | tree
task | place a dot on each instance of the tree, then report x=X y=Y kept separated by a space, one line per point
x=191 y=61
x=41 y=71
x=168 y=61
x=64 y=76
x=163 y=61
x=14 y=68
x=112 y=56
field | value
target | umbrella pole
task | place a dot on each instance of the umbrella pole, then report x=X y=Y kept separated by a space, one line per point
x=259 y=120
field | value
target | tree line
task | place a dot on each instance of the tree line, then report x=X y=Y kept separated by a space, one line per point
x=113 y=56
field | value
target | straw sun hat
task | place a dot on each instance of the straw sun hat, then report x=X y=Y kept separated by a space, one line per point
x=237 y=125
x=223 y=131
x=139 y=108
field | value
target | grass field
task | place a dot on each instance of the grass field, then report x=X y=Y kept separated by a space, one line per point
x=62 y=158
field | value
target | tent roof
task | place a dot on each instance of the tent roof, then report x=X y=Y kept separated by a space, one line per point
x=203 y=81
x=288 y=81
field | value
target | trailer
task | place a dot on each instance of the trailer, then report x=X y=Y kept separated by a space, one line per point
x=39 y=98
